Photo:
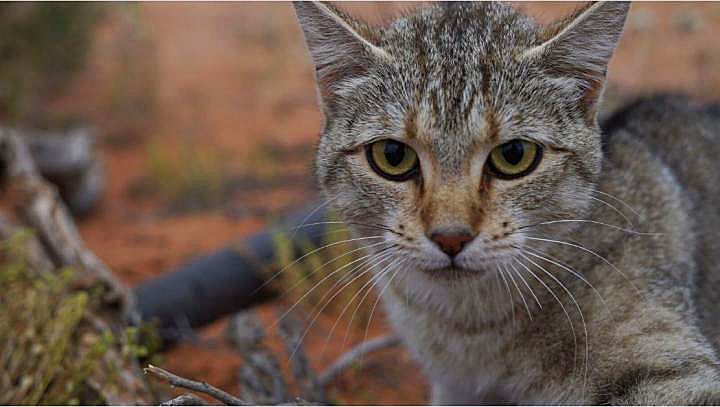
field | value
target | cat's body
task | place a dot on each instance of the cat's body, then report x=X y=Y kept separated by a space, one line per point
x=646 y=346
x=521 y=254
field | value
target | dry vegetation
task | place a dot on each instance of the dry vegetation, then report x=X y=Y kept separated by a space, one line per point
x=206 y=116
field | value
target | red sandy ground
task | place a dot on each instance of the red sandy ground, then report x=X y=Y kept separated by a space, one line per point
x=235 y=75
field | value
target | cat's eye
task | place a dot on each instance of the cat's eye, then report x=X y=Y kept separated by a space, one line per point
x=393 y=160
x=514 y=159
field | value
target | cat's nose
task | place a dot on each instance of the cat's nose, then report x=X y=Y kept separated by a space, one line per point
x=452 y=241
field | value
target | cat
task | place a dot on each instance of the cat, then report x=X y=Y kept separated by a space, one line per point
x=523 y=254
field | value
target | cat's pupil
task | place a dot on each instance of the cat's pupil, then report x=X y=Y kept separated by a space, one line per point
x=394 y=152
x=513 y=152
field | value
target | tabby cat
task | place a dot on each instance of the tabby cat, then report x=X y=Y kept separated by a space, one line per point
x=523 y=254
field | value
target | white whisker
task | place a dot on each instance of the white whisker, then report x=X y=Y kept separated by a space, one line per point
x=567 y=314
x=577 y=246
x=522 y=297
x=275 y=275
x=552 y=222
x=577 y=305
x=512 y=266
x=562 y=266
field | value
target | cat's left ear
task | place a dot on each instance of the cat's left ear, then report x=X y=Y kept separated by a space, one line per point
x=580 y=47
x=341 y=47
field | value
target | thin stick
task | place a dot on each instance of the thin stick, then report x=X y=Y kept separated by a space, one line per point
x=185 y=400
x=193 y=385
x=347 y=359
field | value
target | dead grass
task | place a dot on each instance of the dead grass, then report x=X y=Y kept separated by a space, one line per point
x=189 y=178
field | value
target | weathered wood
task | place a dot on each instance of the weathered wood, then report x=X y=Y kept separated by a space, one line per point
x=68 y=160
x=56 y=244
x=293 y=332
x=38 y=203
x=351 y=356
x=261 y=379
x=186 y=399
x=193 y=385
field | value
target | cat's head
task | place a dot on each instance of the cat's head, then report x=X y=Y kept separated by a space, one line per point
x=455 y=127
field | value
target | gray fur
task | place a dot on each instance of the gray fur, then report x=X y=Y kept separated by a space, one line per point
x=626 y=310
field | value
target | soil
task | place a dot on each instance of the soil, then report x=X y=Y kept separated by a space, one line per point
x=235 y=80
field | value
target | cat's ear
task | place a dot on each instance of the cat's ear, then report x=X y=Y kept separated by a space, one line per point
x=341 y=47
x=580 y=46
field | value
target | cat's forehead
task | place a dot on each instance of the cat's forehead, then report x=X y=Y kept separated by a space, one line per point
x=450 y=72
x=449 y=31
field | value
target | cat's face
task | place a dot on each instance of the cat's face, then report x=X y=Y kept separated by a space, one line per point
x=454 y=131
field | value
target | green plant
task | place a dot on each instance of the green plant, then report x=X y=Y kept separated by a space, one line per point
x=48 y=348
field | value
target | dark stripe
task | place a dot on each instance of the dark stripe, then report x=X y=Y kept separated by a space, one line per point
x=615 y=389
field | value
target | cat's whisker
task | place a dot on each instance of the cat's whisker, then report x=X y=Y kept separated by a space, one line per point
x=365 y=260
x=381 y=274
x=287 y=291
x=326 y=222
x=305 y=295
x=379 y=296
x=507 y=286
x=550 y=259
x=520 y=293
x=618 y=200
x=614 y=208
x=387 y=254
x=622 y=229
x=331 y=222
x=309 y=215
x=577 y=305
x=359 y=291
x=369 y=289
x=562 y=306
x=519 y=274
x=278 y=273
x=583 y=248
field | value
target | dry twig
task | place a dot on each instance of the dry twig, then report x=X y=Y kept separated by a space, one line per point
x=186 y=399
x=261 y=379
x=347 y=359
x=291 y=329
x=193 y=385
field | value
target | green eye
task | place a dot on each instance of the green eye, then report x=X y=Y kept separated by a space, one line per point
x=515 y=159
x=393 y=160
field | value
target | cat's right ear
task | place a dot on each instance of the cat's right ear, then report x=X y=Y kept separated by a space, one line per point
x=580 y=46
x=341 y=47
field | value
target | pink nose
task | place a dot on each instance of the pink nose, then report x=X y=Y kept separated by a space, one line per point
x=451 y=241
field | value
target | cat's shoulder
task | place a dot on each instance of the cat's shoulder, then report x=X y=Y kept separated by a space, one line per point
x=657 y=113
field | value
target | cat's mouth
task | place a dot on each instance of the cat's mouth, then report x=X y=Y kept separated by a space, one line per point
x=460 y=267
x=454 y=272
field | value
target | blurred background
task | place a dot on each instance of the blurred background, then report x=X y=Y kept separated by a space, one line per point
x=203 y=117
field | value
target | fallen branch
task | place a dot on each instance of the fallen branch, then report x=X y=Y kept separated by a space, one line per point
x=347 y=359
x=261 y=379
x=292 y=332
x=193 y=385
x=56 y=244
x=39 y=204
x=185 y=400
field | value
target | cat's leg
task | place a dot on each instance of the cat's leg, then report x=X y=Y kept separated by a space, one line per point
x=662 y=363
x=660 y=388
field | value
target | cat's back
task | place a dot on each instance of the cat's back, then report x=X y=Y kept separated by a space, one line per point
x=685 y=136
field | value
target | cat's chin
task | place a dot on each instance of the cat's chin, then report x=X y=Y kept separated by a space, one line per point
x=455 y=273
